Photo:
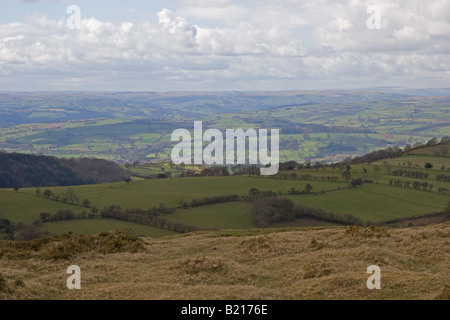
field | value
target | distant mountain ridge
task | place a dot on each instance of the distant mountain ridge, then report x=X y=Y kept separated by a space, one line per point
x=30 y=107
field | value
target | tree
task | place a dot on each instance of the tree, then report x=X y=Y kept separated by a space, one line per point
x=127 y=180
x=28 y=232
x=6 y=230
x=387 y=166
x=377 y=169
x=38 y=192
x=16 y=188
x=308 y=165
x=346 y=176
x=432 y=142
x=253 y=192
x=45 y=216
x=70 y=195
x=47 y=193
x=428 y=165
x=317 y=165
x=86 y=203
x=93 y=212
x=308 y=188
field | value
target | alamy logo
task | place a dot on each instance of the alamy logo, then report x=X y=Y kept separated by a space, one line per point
x=236 y=139
x=74 y=281
x=374 y=21
x=374 y=281
x=74 y=20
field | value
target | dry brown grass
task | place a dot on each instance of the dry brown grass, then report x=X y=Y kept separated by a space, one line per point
x=301 y=263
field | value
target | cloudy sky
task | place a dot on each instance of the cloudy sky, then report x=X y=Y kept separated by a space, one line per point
x=199 y=45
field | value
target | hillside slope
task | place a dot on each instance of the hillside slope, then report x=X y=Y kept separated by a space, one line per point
x=301 y=263
x=24 y=170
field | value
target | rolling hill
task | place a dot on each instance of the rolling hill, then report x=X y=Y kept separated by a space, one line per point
x=328 y=125
x=396 y=191
x=22 y=170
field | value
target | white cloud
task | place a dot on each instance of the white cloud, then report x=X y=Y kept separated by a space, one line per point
x=223 y=45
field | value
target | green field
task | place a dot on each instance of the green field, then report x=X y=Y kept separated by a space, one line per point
x=376 y=203
x=26 y=206
x=233 y=215
x=150 y=193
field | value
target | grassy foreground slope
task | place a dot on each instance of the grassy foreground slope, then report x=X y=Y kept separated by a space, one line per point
x=300 y=263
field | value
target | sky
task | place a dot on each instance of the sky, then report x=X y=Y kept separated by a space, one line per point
x=223 y=45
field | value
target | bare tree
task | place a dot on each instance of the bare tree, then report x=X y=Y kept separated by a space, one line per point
x=377 y=169
x=71 y=195
x=388 y=167
x=86 y=203
x=127 y=180
x=346 y=175
x=48 y=193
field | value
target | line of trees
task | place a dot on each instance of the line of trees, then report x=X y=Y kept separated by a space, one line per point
x=59 y=215
x=215 y=171
x=19 y=231
x=148 y=218
x=68 y=195
x=359 y=182
x=308 y=189
x=410 y=174
x=151 y=217
x=305 y=176
x=443 y=177
x=391 y=152
x=6 y=230
x=269 y=210
x=211 y=200
x=415 y=184
x=266 y=211
x=347 y=219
